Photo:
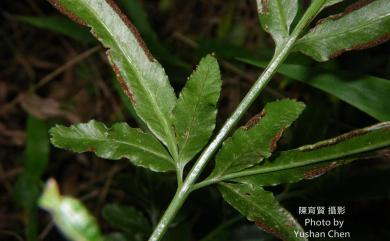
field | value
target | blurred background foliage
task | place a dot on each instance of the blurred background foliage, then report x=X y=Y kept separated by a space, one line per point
x=53 y=71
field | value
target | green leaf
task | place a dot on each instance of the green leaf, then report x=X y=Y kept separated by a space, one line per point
x=26 y=189
x=119 y=141
x=276 y=17
x=355 y=29
x=261 y=207
x=311 y=161
x=60 y=25
x=291 y=175
x=195 y=112
x=249 y=145
x=141 y=76
x=127 y=219
x=69 y=215
x=367 y=93
x=138 y=15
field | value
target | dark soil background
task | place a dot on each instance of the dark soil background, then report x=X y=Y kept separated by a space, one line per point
x=63 y=79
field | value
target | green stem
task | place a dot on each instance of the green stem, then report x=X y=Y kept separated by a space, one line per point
x=280 y=55
x=179 y=176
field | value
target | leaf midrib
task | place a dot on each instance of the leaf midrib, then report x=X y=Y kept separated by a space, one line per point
x=295 y=164
x=282 y=18
x=108 y=139
x=193 y=119
x=256 y=204
x=149 y=94
x=245 y=197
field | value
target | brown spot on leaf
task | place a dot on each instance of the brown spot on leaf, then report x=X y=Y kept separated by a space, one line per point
x=264 y=7
x=335 y=140
x=291 y=223
x=91 y=149
x=66 y=12
x=123 y=85
x=318 y=171
x=356 y=6
x=131 y=27
x=254 y=120
x=362 y=46
x=348 y=10
x=261 y=224
x=323 y=20
x=274 y=142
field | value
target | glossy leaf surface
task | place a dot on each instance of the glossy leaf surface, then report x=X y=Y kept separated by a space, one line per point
x=249 y=145
x=142 y=78
x=119 y=141
x=261 y=207
x=196 y=110
x=356 y=28
x=276 y=17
